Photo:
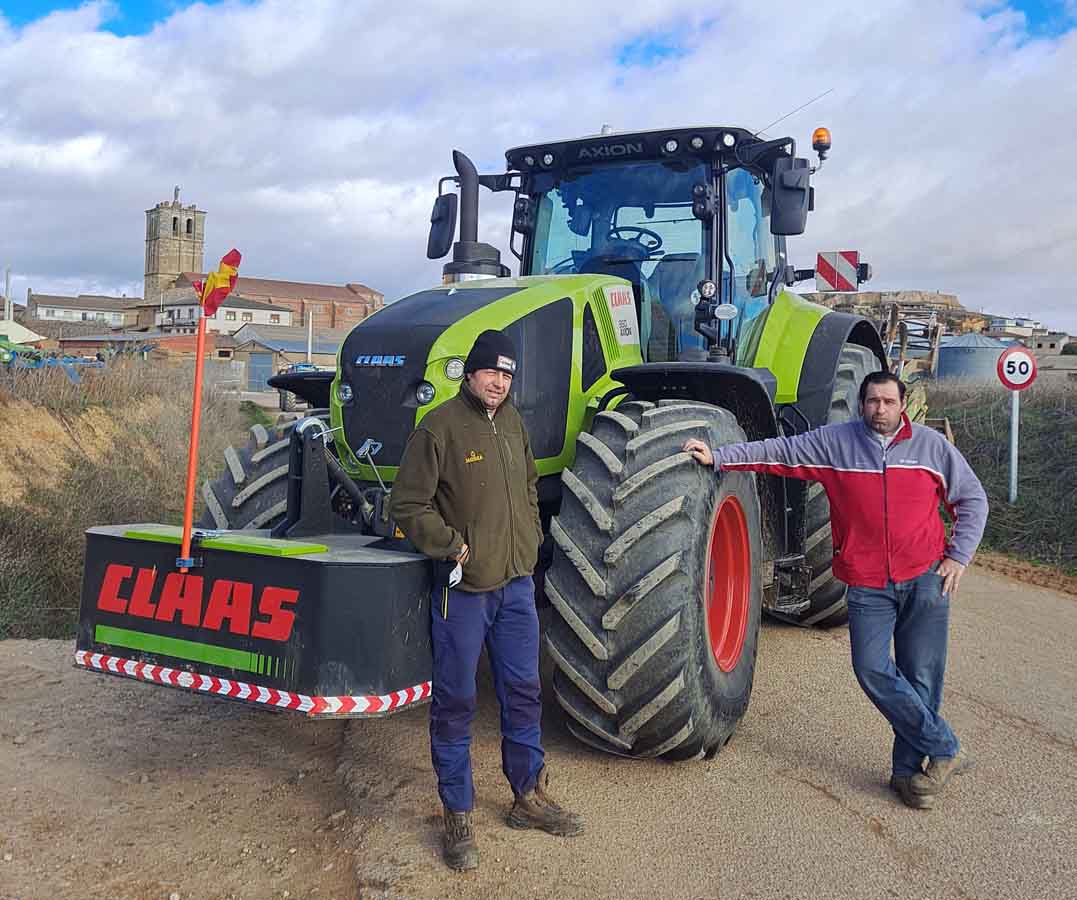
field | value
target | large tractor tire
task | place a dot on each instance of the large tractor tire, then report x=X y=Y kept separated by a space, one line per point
x=654 y=584
x=827 y=607
x=253 y=490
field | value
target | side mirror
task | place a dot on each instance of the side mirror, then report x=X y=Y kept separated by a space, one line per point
x=442 y=226
x=791 y=193
x=523 y=215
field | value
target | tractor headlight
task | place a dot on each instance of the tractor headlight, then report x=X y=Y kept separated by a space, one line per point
x=454 y=369
x=5 y=356
x=708 y=290
x=345 y=392
x=424 y=393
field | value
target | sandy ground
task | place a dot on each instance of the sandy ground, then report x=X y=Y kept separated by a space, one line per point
x=126 y=790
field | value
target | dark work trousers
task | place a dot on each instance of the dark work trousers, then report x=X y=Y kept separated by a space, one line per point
x=906 y=688
x=506 y=621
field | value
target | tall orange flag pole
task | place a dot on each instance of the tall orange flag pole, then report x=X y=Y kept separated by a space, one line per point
x=217 y=286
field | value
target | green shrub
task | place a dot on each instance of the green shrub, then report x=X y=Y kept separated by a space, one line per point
x=126 y=462
x=1040 y=526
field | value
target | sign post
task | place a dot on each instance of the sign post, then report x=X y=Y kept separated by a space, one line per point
x=1016 y=370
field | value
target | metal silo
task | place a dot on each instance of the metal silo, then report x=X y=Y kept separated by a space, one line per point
x=972 y=357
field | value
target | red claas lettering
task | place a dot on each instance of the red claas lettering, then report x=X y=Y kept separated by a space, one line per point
x=280 y=621
x=108 y=598
x=229 y=601
x=141 y=596
x=182 y=594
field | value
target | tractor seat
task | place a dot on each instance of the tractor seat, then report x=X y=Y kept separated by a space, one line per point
x=629 y=270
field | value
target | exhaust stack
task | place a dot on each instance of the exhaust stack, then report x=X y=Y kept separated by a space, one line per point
x=471 y=259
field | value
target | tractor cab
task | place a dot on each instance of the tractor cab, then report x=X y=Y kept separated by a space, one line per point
x=683 y=215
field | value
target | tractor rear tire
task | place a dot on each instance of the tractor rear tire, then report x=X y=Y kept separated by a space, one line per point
x=654 y=584
x=827 y=607
x=253 y=490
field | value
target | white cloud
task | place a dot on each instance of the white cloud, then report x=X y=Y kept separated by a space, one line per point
x=314 y=134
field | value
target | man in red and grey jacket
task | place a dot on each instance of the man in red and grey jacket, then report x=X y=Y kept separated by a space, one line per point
x=885 y=478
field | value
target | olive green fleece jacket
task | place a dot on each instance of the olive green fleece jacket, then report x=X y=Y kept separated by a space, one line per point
x=465 y=478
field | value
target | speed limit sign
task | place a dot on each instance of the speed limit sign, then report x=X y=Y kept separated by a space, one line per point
x=1016 y=368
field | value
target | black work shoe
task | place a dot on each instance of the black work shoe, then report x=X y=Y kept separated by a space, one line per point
x=537 y=809
x=902 y=786
x=458 y=847
x=939 y=771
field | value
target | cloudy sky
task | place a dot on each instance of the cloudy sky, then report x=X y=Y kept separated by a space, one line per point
x=313 y=131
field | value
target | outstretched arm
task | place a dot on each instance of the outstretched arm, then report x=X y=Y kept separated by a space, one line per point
x=804 y=456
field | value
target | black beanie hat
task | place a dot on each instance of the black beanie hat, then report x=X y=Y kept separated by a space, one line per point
x=492 y=350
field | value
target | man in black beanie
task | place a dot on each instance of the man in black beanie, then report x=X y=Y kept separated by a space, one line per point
x=466 y=491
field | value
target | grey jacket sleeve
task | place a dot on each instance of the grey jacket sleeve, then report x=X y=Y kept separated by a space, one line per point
x=966 y=502
x=805 y=456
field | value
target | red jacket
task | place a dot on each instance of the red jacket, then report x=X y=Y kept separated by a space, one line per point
x=884 y=504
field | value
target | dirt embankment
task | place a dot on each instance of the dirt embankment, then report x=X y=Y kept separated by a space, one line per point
x=65 y=469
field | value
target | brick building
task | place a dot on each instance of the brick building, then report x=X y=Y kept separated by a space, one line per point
x=331 y=306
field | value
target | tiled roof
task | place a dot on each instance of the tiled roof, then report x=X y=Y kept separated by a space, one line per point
x=57 y=328
x=291 y=339
x=185 y=296
x=87 y=301
x=293 y=290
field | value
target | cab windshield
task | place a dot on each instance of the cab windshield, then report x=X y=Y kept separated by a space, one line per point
x=634 y=221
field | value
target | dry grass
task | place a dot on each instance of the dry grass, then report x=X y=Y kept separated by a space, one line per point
x=1041 y=525
x=110 y=451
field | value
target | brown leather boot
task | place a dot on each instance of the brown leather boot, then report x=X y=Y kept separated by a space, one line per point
x=938 y=773
x=537 y=809
x=458 y=847
x=902 y=786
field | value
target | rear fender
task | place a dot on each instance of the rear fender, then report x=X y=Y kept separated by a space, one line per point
x=801 y=342
x=310 y=386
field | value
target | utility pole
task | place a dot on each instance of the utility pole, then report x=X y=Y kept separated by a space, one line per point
x=9 y=304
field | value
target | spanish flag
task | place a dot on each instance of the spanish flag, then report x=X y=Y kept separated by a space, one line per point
x=219 y=284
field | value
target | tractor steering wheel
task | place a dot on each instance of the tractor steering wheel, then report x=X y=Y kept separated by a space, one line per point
x=639 y=234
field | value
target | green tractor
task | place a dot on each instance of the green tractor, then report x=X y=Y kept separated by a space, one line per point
x=651 y=306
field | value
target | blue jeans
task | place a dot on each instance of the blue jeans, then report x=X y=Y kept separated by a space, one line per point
x=461 y=622
x=906 y=688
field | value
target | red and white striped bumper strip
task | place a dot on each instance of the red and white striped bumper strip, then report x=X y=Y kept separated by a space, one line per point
x=369 y=705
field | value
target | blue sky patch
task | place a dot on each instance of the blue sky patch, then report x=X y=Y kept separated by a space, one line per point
x=1045 y=18
x=128 y=17
x=651 y=50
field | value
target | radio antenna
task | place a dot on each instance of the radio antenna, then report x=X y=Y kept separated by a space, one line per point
x=792 y=112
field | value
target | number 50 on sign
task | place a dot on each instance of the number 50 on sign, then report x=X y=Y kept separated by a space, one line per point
x=1016 y=368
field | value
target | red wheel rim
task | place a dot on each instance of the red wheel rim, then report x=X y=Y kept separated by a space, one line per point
x=729 y=579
